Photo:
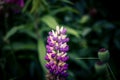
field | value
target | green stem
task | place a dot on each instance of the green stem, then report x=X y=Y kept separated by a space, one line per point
x=88 y=58
x=108 y=74
x=111 y=71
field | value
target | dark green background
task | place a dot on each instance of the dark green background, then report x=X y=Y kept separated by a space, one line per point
x=91 y=25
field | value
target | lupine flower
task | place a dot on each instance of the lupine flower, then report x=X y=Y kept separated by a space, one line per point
x=57 y=54
x=16 y=2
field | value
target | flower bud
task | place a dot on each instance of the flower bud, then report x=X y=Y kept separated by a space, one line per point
x=100 y=67
x=103 y=55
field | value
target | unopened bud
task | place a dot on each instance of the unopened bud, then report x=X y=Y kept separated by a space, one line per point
x=100 y=67
x=103 y=55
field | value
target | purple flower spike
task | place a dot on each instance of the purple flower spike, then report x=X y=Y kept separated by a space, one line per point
x=56 y=56
x=46 y=58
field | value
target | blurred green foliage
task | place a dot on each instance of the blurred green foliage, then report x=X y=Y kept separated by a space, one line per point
x=23 y=38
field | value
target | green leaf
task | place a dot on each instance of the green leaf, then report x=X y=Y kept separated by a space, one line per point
x=12 y=32
x=35 y=5
x=86 y=31
x=72 y=32
x=50 y=21
x=26 y=5
x=44 y=2
x=84 y=19
x=65 y=9
x=42 y=53
x=21 y=46
x=67 y=1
